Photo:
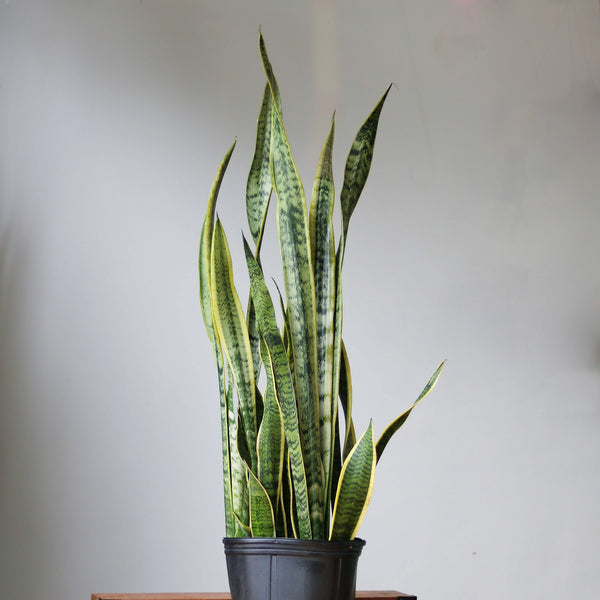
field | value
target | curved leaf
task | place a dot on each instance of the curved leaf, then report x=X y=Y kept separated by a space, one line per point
x=355 y=488
x=386 y=436
x=225 y=398
x=262 y=519
x=205 y=252
x=233 y=333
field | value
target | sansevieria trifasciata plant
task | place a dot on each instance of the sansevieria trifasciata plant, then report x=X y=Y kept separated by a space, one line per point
x=293 y=466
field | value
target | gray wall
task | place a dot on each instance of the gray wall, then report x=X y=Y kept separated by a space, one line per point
x=476 y=241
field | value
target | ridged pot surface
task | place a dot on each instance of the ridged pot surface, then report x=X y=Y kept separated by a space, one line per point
x=290 y=569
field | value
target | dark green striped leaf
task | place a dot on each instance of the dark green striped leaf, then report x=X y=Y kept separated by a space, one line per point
x=242 y=440
x=225 y=398
x=233 y=334
x=271 y=436
x=355 y=488
x=262 y=518
x=204 y=259
x=323 y=257
x=299 y=288
x=337 y=360
x=258 y=187
x=288 y=495
x=284 y=388
x=358 y=164
x=254 y=338
x=239 y=480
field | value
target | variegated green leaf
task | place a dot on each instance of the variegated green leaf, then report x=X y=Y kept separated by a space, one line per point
x=267 y=327
x=283 y=453
x=323 y=257
x=258 y=194
x=226 y=404
x=233 y=334
x=205 y=251
x=343 y=446
x=258 y=187
x=262 y=517
x=399 y=421
x=355 y=488
x=358 y=164
x=337 y=365
x=242 y=440
x=292 y=526
x=254 y=339
x=271 y=436
x=204 y=277
x=346 y=402
x=281 y=507
x=292 y=227
x=285 y=331
x=239 y=481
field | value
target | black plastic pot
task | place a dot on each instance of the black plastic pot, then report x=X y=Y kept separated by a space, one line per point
x=290 y=569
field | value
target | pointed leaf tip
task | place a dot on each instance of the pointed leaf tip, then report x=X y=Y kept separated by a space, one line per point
x=358 y=163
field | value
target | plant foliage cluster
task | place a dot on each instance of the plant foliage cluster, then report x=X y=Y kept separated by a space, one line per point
x=292 y=464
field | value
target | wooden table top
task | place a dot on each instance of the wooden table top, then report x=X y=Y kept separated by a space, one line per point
x=372 y=595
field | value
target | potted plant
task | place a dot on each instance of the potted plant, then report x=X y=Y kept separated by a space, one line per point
x=297 y=478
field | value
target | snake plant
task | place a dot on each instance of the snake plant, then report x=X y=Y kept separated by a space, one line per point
x=292 y=464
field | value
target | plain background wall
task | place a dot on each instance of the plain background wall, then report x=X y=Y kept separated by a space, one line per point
x=476 y=240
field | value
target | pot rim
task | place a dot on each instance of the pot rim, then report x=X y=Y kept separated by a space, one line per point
x=292 y=546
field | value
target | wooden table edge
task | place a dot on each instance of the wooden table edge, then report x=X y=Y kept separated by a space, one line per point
x=362 y=595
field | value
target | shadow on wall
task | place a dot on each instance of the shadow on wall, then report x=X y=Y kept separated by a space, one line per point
x=24 y=548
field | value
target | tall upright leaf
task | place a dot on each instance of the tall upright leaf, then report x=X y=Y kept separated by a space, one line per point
x=233 y=334
x=205 y=304
x=358 y=165
x=338 y=319
x=258 y=194
x=284 y=388
x=323 y=257
x=298 y=278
